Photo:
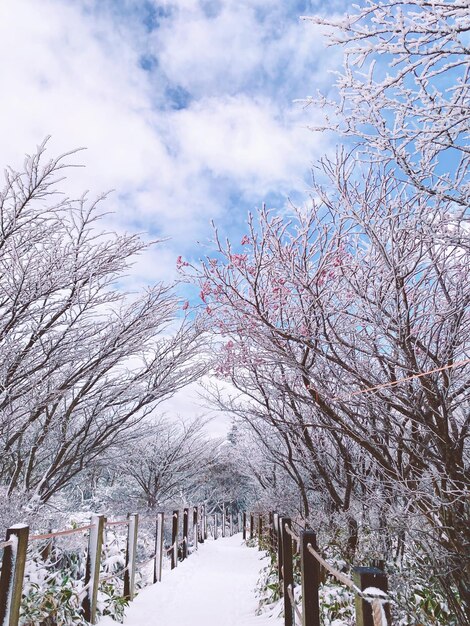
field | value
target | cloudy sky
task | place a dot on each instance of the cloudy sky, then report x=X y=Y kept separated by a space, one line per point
x=185 y=107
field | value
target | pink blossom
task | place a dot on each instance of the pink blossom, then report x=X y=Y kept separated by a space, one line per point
x=180 y=263
x=185 y=306
x=238 y=259
x=245 y=240
x=205 y=290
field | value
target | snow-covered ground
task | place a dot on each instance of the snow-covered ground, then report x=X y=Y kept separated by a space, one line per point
x=214 y=587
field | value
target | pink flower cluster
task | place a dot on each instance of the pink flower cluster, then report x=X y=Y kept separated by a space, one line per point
x=180 y=262
x=206 y=290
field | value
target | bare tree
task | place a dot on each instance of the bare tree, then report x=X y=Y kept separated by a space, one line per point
x=82 y=362
x=167 y=465
x=363 y=298
x=404 y=91
x=367 y=289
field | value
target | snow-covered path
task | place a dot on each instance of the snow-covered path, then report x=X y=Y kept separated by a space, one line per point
x=214 y=587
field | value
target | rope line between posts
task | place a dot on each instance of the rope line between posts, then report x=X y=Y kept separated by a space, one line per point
x=152 y=558
x=394 y=383
x=113 y=575
x=84 y=590
x=61 y=533
x=290 y=593
x=118 y=523
x=290 y=532
x=370 y=597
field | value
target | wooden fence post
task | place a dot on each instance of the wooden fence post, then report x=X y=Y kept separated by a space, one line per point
x=201 y=524
x=174 y=540
x=185 y=533
x=231 y=521
x=129 y=574
x=277 y=529
x=252 y=525
x=205 y=524
x=365 y=577
x=223 y=520
x=216 y=522
x=310 y=571
x=11 y=579
x=92 y=570
x=260 y=531
x=288 y=571
x=157 y=567
x=195 y=527
x=244 y=525
x=271 y=531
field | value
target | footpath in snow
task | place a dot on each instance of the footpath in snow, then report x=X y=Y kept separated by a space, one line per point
x=213 y=587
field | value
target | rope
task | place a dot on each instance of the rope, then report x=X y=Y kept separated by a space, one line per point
x=407 y=378
x=369 y=597
x=118 y=523
x=334 y=572
x=60 y=533
x=294 y=605
x=146 y=562
x=82 y=593
x=377 y=613
x=290 y=532
x=113 y=575
x=5 y=544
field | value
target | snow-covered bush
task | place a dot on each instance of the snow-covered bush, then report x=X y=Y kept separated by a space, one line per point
x=336 y=604
x=54 y=582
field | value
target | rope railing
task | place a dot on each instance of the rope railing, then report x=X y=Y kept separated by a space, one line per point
x=61 y=533
x=294 y=604
x=367 y=584
x=290 y=532
x=334 y=572
x=13 y=562
x=369 y=596
x=144 y=563
x=112 y=575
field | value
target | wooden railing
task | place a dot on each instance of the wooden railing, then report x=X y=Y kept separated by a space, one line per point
x=368 y=584
x=18 y=539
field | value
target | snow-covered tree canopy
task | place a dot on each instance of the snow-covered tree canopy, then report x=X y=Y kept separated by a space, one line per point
x=404 y=91
x=82 y=362
x=344 y=325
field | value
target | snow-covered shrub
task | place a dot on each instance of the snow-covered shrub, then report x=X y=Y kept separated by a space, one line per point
x=336 y=605
x=268 y=590
x=54 y=582
x=51 y=589
x=111 y=601
x=54 y=602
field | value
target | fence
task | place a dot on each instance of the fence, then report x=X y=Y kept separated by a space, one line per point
x=369 y=584
x=18 y=539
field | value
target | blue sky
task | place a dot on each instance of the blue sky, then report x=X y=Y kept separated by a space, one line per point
x=185 y=108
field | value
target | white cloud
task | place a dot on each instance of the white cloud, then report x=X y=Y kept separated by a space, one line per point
x=72 y=69
x=243 y=139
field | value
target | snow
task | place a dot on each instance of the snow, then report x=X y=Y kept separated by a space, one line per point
x=214 y=586
x=375 y=592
